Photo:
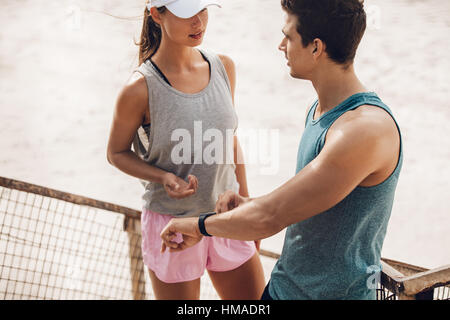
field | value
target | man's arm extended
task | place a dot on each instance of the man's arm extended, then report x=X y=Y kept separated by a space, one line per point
x=354 y=150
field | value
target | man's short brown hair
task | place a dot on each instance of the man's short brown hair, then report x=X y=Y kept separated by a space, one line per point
x=340 y=24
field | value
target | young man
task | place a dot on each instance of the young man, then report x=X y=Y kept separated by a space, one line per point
x=338 y=205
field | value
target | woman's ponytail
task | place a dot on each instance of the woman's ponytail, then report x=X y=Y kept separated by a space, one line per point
x=150 y=36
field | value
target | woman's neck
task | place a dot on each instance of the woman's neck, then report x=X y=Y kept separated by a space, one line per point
x=175 y=58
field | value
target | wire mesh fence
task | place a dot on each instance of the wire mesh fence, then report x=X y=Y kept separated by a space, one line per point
x=440 y=292
x=55 y=245
x=56 y=249
x=52 y=249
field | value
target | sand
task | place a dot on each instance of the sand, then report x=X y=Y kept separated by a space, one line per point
x=63 y=63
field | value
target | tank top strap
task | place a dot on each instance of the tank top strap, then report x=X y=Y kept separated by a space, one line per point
x=144 y=70
x=310 y=115
x=153 y=79
x=356 y=101
x=217 y=67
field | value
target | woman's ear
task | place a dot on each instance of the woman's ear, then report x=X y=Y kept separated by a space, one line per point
x=156 y=16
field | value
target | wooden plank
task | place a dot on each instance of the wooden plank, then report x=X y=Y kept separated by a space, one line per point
x=269 y=254
x=391 y=278
x=404 y=268
x=68 y=197
x=426 y=280
x=137 y=268
x=408 y=287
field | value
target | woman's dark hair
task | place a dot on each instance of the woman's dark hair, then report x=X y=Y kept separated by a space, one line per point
x=150 y=36
x=340 y=24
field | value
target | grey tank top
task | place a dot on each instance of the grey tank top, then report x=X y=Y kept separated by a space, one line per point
x=189 y=134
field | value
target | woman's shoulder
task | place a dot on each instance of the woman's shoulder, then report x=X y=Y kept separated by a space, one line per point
x=134 y=93
x=225 y=59
x=136 y=86
x=227 y=62
x=230 y=69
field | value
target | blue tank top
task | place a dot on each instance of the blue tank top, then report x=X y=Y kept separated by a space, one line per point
x=333 y=254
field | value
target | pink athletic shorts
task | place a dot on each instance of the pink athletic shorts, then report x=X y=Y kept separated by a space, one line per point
x=212 y=253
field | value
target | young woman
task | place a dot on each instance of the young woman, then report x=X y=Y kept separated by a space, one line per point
x=182 y=96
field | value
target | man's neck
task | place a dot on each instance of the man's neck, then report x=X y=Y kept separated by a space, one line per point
x=334 y=84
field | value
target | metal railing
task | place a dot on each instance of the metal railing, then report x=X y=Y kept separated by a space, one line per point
x=57 y=245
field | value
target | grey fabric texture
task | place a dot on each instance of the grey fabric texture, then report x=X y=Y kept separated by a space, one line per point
x=206 y=122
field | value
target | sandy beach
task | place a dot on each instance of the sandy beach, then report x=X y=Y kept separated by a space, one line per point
x=63 y=63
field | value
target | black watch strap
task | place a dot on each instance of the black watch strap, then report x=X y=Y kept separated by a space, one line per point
x=201 y=223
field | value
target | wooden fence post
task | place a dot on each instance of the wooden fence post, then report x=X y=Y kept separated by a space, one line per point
x=133 y=229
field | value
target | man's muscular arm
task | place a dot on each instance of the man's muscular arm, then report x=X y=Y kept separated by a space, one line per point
x=357 y=145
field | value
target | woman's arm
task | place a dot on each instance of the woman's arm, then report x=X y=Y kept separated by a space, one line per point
x=129 y=115
x=238 y=155
x=130 y=111
x=241 y=174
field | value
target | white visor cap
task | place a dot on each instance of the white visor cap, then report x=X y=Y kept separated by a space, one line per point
x=183 y=8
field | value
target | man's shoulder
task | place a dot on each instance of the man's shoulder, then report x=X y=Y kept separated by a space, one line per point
x=368 y=128
x=366 y=119
x=366 y=137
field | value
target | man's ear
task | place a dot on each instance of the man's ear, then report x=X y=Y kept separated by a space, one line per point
x=156 y=16
x=318 y=47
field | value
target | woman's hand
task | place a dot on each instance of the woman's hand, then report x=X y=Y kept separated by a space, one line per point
x=177 y=188
x=228 y=201
x=187 y=227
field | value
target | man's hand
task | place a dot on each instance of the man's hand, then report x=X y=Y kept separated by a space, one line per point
x=228 y=201
x=187 y=227
x=177 y=188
